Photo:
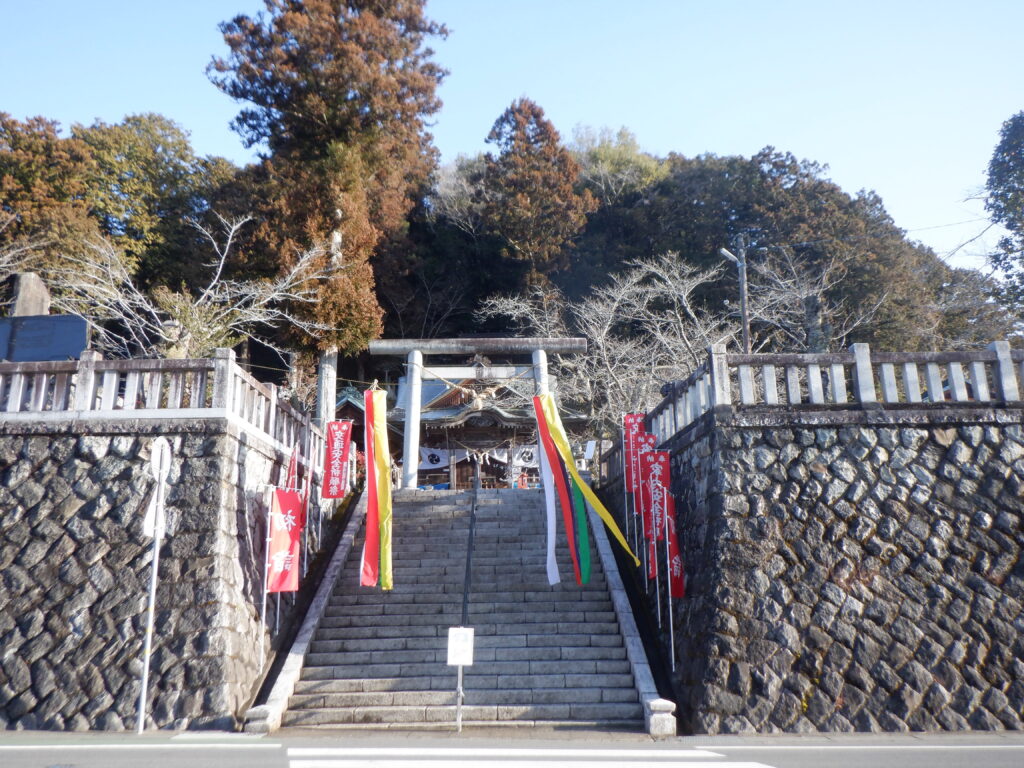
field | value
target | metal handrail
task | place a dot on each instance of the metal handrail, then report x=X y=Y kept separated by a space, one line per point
x=469 y=549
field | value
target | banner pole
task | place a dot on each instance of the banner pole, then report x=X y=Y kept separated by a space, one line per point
x=625 y=494
x=151 y=613
x=668 y=575
x=266 y=578
x=654 y=541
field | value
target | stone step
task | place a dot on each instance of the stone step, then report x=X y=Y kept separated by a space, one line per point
x=425 y=594
x=474 y=713
x=509 y=696
x=491 y=613
x=505 y=635
x=517 y=623
x=526 y=660
x=500 y=648
x=329 y=684
x=338 y=666
x=385 y=626
x=542 y=653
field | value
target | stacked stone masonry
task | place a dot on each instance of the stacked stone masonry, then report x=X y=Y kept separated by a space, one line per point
x=75 y=568
x=851 y=571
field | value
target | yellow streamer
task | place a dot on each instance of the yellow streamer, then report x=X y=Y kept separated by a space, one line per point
x=382 y=460
x=547 y=402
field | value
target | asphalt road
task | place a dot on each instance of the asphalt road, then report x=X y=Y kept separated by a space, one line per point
x=506 y=749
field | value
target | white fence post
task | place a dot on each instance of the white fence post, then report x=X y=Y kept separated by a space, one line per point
x=223 y=378
x=721 y=390
x=85 y=380
x=1005 y=375
x=863 y=377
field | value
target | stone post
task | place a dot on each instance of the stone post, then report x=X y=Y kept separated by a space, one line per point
x=85 y=381
x=863 y=376
x=223 y=378
x=721 y=390
x=1005 y=375
x=411 y=449
x=31 y=296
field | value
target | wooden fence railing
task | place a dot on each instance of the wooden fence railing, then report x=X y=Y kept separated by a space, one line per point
x=857 y=376
x=92 y=387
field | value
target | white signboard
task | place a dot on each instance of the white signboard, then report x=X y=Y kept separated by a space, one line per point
x=460 y=646
x=154 y=523
x=160 y=458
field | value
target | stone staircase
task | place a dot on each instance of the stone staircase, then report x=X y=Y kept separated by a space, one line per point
x=543 y=655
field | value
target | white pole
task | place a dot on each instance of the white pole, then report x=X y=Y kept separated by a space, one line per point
x=657 y=570
x=160 y=463
x=540 y=375
x=459 y=695
x=626 y=511
x=411 y=448
x=668 y=578
x=266 y=578
x=148 y=649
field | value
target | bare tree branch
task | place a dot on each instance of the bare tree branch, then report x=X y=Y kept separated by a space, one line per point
x=644 y=328
x=127 y=321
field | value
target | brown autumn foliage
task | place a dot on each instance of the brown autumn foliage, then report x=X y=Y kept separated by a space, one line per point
x=531 y=186
x=44 y=194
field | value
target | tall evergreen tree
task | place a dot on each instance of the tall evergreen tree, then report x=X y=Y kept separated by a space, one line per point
x=339 y=91
x=1006 y=205
x=532 y=202
x=44 y=186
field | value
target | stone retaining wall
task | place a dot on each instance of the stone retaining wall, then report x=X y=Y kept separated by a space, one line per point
x=851 y=570
x=75 y=568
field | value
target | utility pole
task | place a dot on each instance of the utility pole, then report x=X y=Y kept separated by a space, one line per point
x=741 y=264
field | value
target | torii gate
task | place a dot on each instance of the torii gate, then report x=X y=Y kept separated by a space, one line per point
x=416 y=349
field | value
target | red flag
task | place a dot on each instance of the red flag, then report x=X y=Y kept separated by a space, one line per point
x=656 y=472
x=644 y=442
x=632 y=425
x=339 y=441
x=283 y=558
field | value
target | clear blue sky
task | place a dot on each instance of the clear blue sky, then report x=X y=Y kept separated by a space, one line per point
x=905 y=97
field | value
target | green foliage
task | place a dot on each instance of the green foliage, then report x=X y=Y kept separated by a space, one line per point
x=146 y=188
x=614 y=166
x=846 y=249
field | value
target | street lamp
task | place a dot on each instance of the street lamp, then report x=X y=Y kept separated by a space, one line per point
x=741 y=264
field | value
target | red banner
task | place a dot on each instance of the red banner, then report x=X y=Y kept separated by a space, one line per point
x=339 y=441
x=285 y=537
x=656 y=472
x=644 y=442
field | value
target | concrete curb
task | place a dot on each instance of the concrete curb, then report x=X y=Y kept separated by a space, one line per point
x=659 y=713
x=266 y=718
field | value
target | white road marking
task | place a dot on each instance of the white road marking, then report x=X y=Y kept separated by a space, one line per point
x=509 y=754
x=862 y=748
x=101 y=747
x=492 y=763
